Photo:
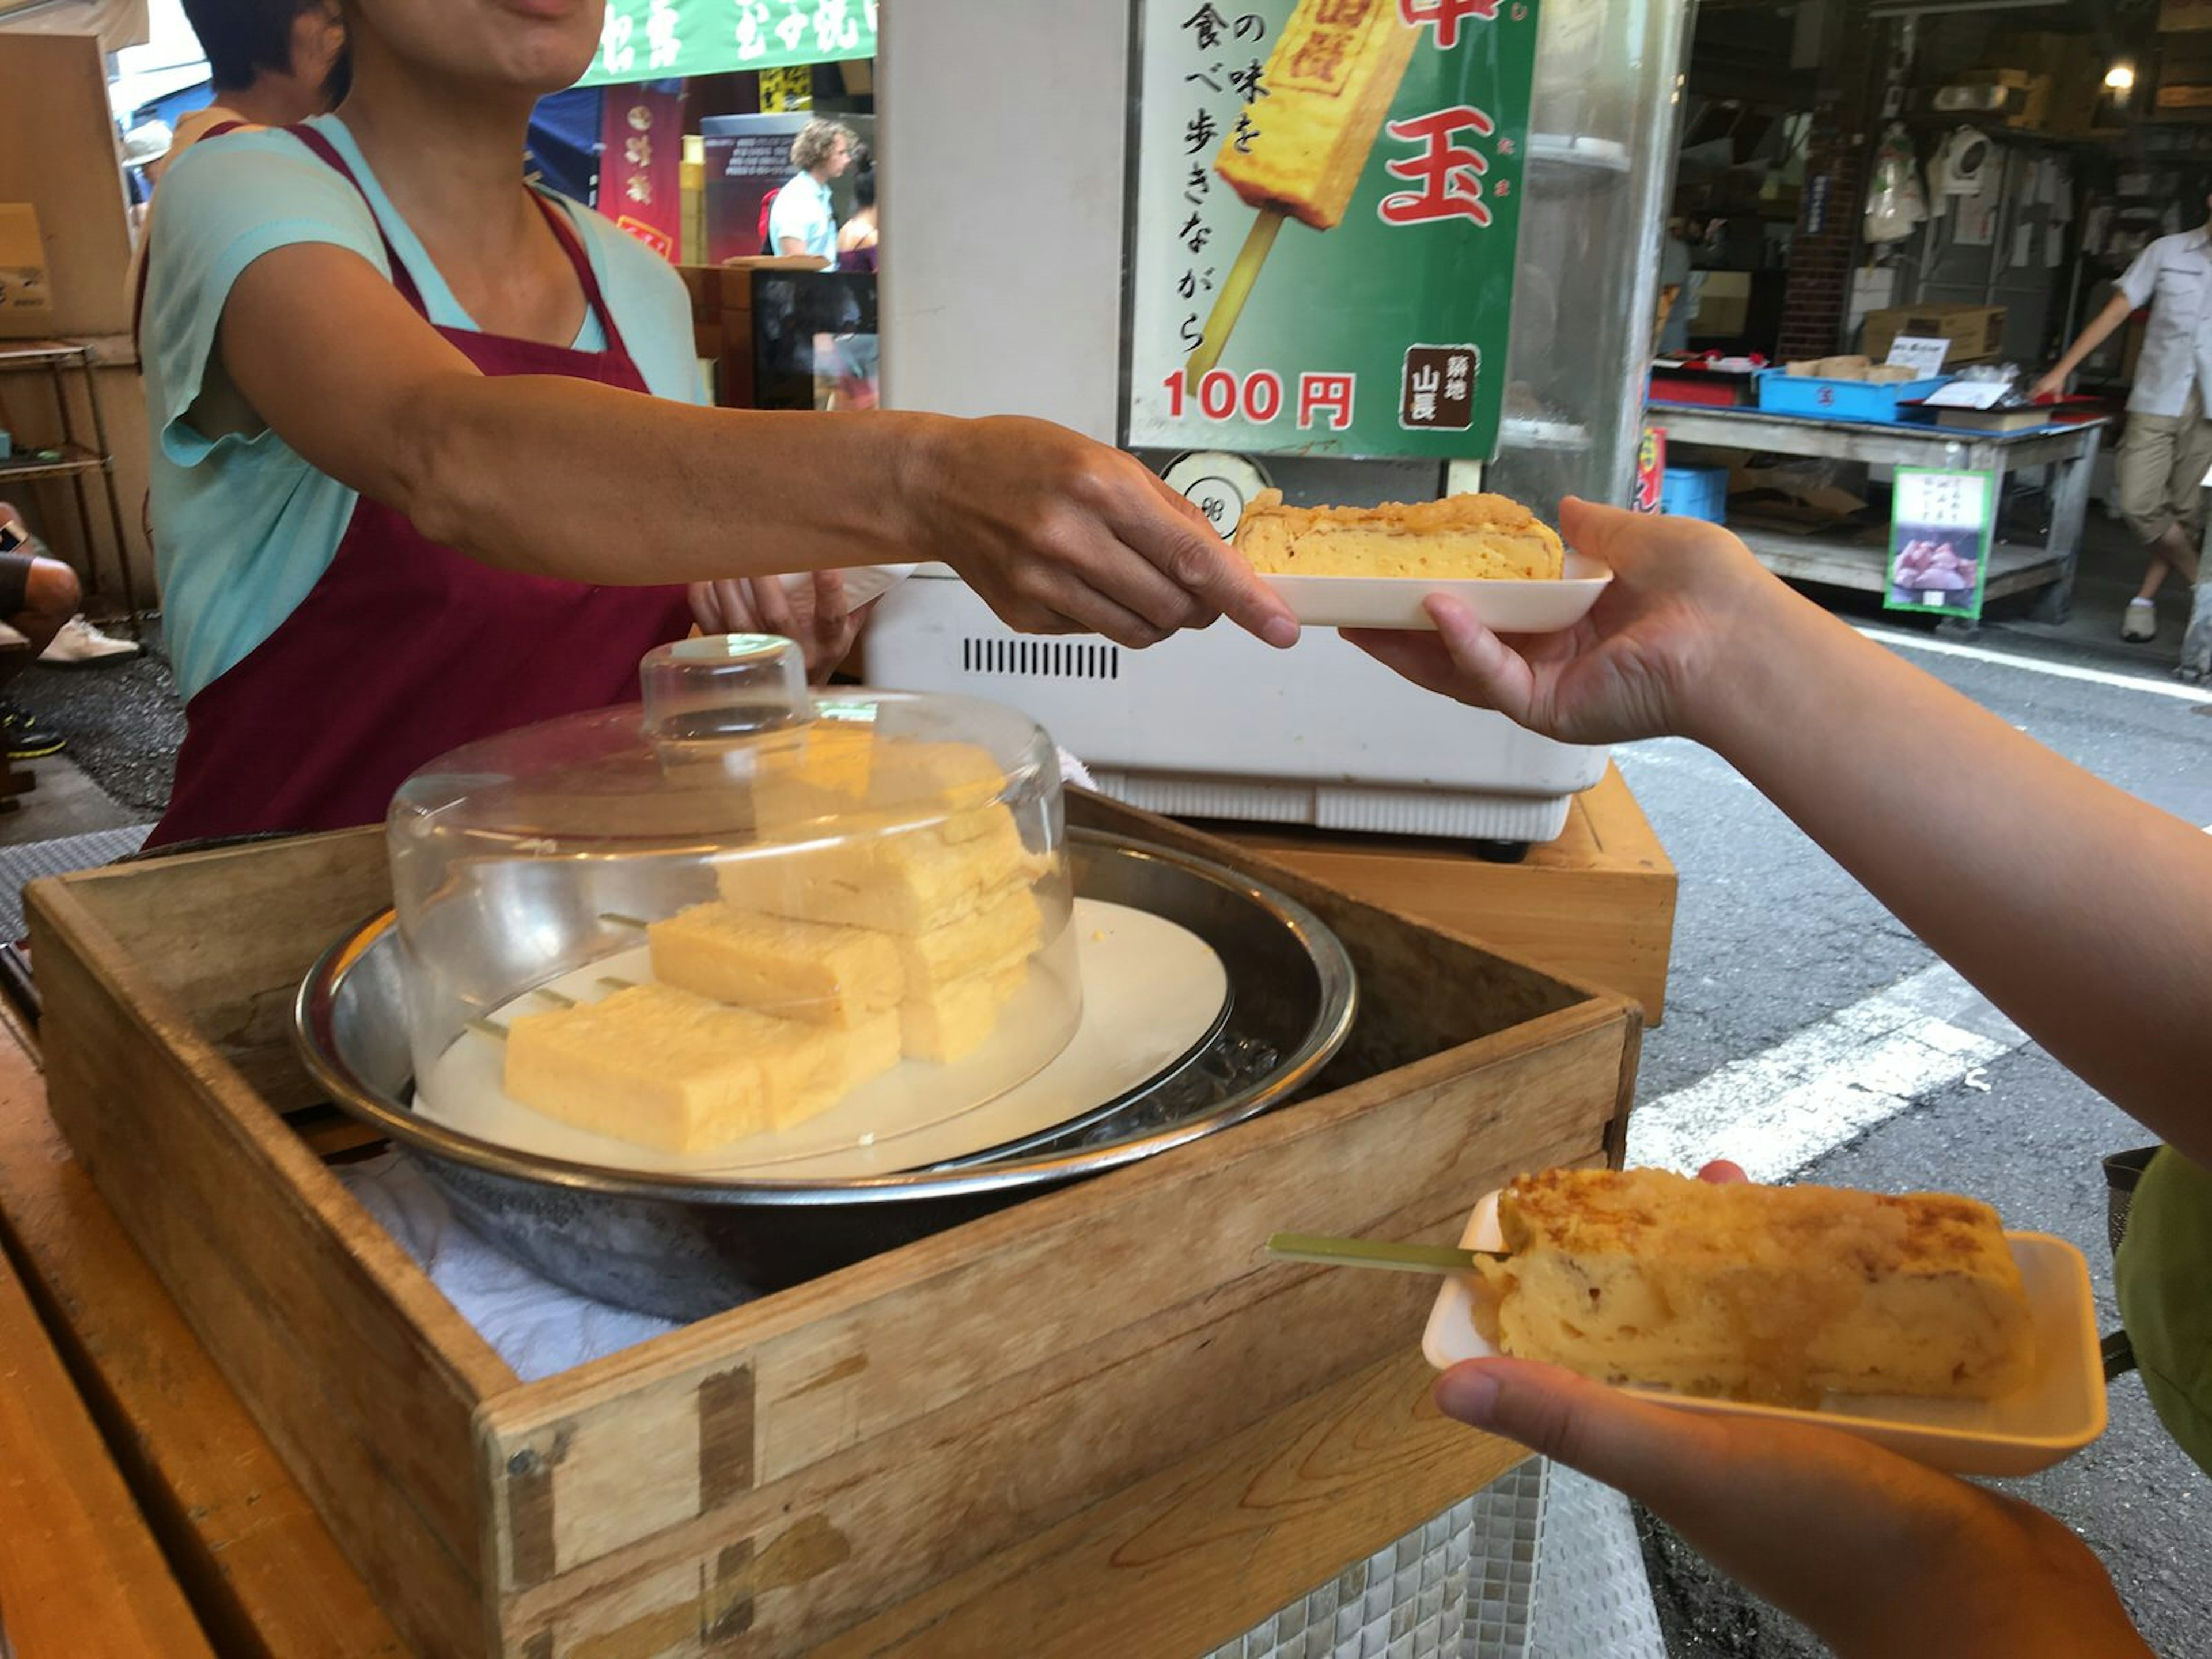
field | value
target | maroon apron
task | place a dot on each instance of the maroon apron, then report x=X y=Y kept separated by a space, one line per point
x=405 y=648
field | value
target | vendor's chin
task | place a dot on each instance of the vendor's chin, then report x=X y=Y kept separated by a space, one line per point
x=537 y=47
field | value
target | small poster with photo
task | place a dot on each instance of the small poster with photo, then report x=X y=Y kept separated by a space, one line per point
x=1939 y=530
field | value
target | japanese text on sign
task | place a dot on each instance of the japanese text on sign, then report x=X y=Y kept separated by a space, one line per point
x=1940 y=536
x=649 y=40
x=1369 y=152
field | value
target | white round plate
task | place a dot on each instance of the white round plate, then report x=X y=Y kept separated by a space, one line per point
x=1505 y=606
x=1151 y=991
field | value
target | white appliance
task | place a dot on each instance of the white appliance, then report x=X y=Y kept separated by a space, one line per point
x=1005 y=132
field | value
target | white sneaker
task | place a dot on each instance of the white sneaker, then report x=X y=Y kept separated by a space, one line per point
x=80 y=645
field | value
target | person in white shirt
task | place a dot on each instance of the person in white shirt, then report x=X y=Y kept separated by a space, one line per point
x=800 y=220
x=2167 y=447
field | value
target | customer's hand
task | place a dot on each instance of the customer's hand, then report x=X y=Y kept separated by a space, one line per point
x=1062 y=535
x=1876 y=1554
x=814 y=617
x=1657 y=645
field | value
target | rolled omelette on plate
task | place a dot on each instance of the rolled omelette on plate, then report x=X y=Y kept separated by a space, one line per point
x=1451 y=538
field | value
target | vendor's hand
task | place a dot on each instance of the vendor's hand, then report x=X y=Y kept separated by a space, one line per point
x=1061 y=535
x=1656 y=646
x=816 y=617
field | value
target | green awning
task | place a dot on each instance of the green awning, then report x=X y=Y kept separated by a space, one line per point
x=661 y=39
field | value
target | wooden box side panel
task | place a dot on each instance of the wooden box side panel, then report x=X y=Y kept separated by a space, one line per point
x=1202 y=1552
x=259 y=1567
x=953 y=1398
x=361 y=1373
x=229 y=935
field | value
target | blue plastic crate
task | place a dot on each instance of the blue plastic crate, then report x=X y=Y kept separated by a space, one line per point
x=1782 y=393
x=1695 y=492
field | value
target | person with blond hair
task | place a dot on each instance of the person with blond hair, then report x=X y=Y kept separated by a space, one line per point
x=801 y=222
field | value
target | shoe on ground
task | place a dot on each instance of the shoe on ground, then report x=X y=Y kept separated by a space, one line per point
x=2140 y=622
x=26 y=737
x=80 y=645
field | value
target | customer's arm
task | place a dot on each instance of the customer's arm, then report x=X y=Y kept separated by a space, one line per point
x=2083 y=912
x=1877 y=1554
x=1057 y=532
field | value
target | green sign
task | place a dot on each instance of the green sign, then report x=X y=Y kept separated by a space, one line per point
x=1940 y=526
x=1327 y=207
x=657 y=40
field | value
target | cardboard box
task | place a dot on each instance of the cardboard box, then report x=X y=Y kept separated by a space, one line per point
x=2024 y=95
x=1724 y=305
x=57 y=156
x=2075 y=66
x=23 y=284
x=1976 y=333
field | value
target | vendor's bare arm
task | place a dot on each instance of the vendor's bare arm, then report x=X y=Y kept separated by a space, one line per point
x=1057 y=532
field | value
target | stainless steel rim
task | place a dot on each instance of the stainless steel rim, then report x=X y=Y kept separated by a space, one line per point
x=314 y=1040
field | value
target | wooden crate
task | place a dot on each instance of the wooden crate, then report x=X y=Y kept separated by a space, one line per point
x=1597 y=904
x=1098 y=1422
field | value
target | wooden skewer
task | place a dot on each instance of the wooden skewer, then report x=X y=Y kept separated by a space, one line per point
x=1229 y=304
x=1369 y=1253
x=614 y=984
x=621 y=921
x=555 y=998
x=489 y=1027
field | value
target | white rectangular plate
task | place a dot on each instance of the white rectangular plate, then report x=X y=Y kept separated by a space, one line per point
x=2059 y=1411
x=1506 y=607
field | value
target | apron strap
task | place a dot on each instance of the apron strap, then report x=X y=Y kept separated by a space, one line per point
x=325 y=152
x=402 y=279
x=564 y=231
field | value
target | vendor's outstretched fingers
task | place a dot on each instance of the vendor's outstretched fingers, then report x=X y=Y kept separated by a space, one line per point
x=772 y=605
x=1182 y=545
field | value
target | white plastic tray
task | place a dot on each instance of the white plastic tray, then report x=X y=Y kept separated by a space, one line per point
x=2059 y=1411
x=1506 y=607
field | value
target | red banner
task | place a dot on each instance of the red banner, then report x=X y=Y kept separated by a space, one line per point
x=641 y=165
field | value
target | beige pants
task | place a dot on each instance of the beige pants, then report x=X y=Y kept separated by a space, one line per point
x=2159 y=474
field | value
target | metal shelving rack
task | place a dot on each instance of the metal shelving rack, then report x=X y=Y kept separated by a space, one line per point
x=72 y=457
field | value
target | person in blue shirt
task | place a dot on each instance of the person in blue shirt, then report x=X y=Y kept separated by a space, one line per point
x=800 y=220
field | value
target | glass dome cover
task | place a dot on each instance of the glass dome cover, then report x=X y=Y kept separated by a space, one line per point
x=739 y=924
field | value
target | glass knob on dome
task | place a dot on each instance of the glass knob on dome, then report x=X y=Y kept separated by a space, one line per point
x=722 y=687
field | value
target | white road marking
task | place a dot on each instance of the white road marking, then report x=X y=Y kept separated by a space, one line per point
x=2036 y=666
x=1775 y=1112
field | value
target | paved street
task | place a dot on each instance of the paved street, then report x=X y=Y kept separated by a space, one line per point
x=1809 y=1035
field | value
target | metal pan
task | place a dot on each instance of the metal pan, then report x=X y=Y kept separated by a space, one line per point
x=688 y=1246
